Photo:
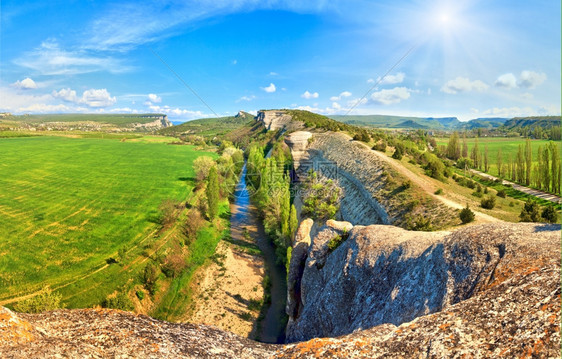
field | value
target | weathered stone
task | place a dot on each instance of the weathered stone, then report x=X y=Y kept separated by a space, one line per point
x=341 y=226
x=296 y=267
x=274 y=119
x=384 y=274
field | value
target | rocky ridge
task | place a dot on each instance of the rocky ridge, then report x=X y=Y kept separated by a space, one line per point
x=372 y=191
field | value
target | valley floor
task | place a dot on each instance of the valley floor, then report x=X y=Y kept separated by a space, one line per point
x=229 y=291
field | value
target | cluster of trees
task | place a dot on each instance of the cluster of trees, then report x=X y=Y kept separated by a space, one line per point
x=545 y=174
x=273 y=196
x=321 y=197
x=215 y=179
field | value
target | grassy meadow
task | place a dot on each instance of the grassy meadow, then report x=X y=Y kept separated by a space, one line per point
x=69 y=205
x=509 y=147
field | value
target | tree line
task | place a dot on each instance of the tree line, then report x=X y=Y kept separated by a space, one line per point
x=541 y=170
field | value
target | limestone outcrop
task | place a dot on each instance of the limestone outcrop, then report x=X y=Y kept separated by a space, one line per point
x=159 y=123
x=384 y=275
x=298 y=142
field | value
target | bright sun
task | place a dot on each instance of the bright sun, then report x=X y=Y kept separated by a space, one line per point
x=444 y=18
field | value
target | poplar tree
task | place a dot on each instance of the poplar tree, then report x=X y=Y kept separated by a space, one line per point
x=528 y=161
x=486 y=163
x=554 y=163
x=499 y=162
x=285 y=213
x=293 y=221
x=464 y=146
x=546 y=169
x=212 y=192
x=520 y=165
x=453 y=147
x=475 y=154
x=539 y=169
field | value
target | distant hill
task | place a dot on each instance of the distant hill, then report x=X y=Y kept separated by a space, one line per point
x=403 y=122
x=120 y=120
x=88 y=122
x=484 y=122
x=215 y=126
x=542 y=121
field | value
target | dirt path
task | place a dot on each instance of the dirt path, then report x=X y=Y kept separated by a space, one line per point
x=533 y=192
x=228 y=294
x=426 y=185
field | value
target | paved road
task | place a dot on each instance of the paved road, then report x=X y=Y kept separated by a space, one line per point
x=533 y=192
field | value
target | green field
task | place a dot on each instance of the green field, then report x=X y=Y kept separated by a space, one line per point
x=509 y=147
x=67 y=205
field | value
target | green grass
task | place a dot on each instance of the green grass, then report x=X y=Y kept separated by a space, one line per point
x=67 y=205
x=509 y=147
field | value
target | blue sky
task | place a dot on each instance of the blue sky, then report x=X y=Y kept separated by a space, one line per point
x=463 y=58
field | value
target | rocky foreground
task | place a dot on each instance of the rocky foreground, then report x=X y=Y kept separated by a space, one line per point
x=488 y=291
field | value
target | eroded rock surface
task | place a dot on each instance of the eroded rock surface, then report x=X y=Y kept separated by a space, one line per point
x=387 y=275
x=373 y=193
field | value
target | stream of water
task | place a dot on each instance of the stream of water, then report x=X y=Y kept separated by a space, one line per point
x=245 y=219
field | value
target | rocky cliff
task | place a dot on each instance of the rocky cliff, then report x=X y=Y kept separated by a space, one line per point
x=372 y=192
x=488 y=291
x=160 y=121
x=387 y=275
x=277 y=119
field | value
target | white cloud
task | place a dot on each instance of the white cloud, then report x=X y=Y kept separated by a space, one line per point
x=67 y=95
x=531 y=79
x=234 y=62
x=521 y=111
x=271 y=88
x=341 y=96
x=392 y=79
x=97 y=98
x=336 y=105
x=178 y=112
x=463 y=84
x=25 y=84
x=307 y=95
x=154 y=98
x=392 y=96
x=357 y=102
x=506 y=80
x=273 y=73
x=370 y=81
x=50 y=59
x=246 y=98
x=92 y=97
x=527 y=96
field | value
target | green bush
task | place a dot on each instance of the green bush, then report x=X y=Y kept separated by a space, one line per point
x=466 y=215
x=549 y=214
x=46 y=300
x=398 y=151
x=120 y=301
x=439 y=191
x=419 y=223
x=501 y=193
x=530 y=212
x=488 y=202
x=140 y=294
